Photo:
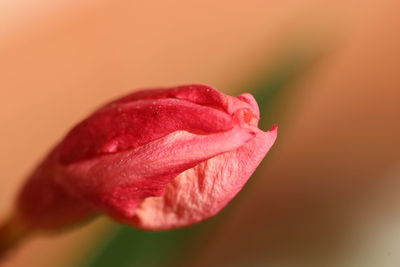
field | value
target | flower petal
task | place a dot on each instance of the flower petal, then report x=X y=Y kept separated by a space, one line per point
x=118 y=182
x=202 y=191
x=200 y=94
x=126 y=126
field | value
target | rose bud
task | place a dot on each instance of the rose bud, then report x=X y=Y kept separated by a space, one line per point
x=155 y=159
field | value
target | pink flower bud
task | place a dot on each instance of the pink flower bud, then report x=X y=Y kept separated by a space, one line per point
x=155 y=159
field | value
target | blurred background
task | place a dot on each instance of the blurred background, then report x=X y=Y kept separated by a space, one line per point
x=327 y=72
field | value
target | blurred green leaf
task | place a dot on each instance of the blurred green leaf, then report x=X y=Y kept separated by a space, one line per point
x=129 y=247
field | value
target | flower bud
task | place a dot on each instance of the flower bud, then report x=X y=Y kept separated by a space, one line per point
x=155 y=159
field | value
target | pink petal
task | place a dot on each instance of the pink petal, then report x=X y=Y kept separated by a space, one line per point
x=118 y=182
x=200 y=94
x=202 y=191
x=126 y=126
x=43 y=203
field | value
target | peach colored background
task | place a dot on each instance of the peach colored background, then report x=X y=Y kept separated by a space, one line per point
x=59 y=60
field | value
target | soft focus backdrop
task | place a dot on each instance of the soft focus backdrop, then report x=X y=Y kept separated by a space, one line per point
x=327 y=72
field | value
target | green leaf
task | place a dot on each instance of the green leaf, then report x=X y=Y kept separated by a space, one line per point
x=127 y=247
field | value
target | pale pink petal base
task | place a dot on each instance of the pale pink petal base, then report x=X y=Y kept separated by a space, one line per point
x=202 y=191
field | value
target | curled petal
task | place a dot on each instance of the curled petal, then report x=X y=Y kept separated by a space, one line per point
x=200 y=94
x=118 y=182
x=126 y=126
x=202 y=191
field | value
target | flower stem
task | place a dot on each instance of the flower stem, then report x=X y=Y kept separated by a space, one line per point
x=12 y=233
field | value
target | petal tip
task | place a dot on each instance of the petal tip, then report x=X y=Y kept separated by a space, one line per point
x=274 y=128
